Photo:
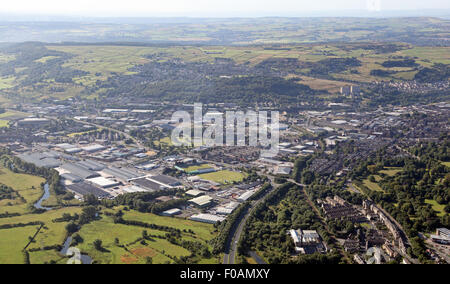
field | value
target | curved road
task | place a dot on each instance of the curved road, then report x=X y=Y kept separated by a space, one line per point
x=231 y=248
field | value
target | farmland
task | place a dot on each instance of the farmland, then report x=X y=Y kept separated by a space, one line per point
x=27 y=186
x=131 y=248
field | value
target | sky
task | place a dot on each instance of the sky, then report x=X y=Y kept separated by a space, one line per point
x=212 y=8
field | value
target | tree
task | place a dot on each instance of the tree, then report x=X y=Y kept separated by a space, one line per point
x=71 y=228
x=98 y=244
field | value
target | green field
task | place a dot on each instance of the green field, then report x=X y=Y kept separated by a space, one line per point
x=391 y=171
x=373 y=185
x=160 y=250
x=53 y=233
x=447 y=164
x=28 y=186
x=12 y=242
x=439 y=208
x=7 y=82
x=224 y=177
x=198 y=167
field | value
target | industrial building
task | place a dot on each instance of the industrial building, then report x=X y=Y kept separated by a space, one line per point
x=148 y=184
x=227 y=209
x=121 y=174
x=91 y=165
x=41 y=160
x=104 y=182
x=171 y=212
x=245 y=196
x=33 y=122
x=94 y=148
x=207 y=218
x=133 y=188
x=202 y=201
x=194 y=192
x=82 y=189
x=79 y=171
x=165 y=180
x=72 y=178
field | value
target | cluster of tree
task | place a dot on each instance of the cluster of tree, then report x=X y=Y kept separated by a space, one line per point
x=26 y=64
x=285 y=208
x=439 y=72
x=399 y=63
x=327 y=66
x=145 y=201
x=19 y=225
x=405 y=194
x=7 y=192
x=173 y=231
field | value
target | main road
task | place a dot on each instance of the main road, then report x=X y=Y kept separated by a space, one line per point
x=232 y=244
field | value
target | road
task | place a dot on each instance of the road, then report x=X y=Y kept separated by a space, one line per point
x=231 y=247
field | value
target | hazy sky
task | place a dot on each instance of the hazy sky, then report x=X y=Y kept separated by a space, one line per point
x=207 y=7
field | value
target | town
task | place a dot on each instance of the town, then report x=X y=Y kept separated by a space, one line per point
x=110 y=152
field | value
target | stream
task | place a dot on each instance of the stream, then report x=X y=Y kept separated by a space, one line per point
x=44 y=197
x=85 y=259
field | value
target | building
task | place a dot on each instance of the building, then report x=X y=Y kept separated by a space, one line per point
x=202 y=201
x=165 y=180
x=72 y=178
x=207 y=218
x=91 y=165
x=133 y=188
x=355 y=90
x=33 y=122
x=122 y=174
x=104 y=182
x=443 y=232
x=171 y=212
x=227 y=209
x=41 y=160
x=79 y=171
x=345 y=90
x=82 y=189
x=306 y=241
x=194 y=193
x=148 y=184
x=246 y=196
x=93 y=148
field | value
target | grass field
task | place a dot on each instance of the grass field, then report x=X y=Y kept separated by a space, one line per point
x=52 y=233
x=439 y=208
x=7 y=82
x=373 y=185
x=391 y=171
x=28 y=186
x=160 y=250
x=8 y=115
x=223 y=177
x=447 y=164
x=198 y=167
x=12 y=242
x=203 y=232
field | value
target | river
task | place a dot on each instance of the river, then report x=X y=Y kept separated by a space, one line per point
x=44 y=197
